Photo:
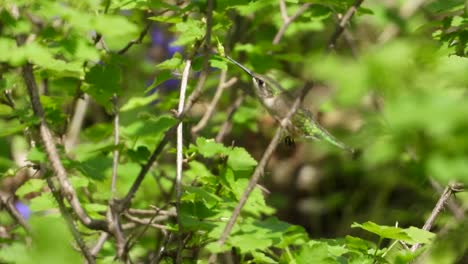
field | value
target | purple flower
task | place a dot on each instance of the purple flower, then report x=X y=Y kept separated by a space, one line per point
x=23 y=209
x=173 y=48
x=157 y=37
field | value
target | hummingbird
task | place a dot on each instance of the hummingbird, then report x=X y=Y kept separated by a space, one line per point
x=278 y=102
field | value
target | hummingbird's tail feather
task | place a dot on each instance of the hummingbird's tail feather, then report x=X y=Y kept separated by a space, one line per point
x=315 y=130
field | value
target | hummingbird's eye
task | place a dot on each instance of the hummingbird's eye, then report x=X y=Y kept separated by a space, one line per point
x=260 y=82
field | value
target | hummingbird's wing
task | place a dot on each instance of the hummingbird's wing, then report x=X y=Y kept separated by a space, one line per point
x=304 y=120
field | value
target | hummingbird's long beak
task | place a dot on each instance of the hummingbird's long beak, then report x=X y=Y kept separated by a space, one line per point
x=249 y=72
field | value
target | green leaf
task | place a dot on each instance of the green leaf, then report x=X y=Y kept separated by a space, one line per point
x=32 y=185
x=171 y=64
x=240 y=159
x=220 y=64
x=43 y=202
x=103 y=81
x=79 y=182
x=410 y=235
x=419 y=235
x=203 y=195
x=137 y=102
x=191 y=30
x=256 y=202
x=208 y=148
x=161 y=77
x=36 y=155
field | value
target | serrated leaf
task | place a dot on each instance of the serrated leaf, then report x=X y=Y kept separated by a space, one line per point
x=385 y=231
x=240 y=159
x=209 y=148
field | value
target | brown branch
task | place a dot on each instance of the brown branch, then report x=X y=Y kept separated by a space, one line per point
x=136 y=41
x=287 y=20
x=145 y=221
x=230 y=113
x=76 y=123
x=448 y=191
x=113 y=217
x=259 y=170
x=71 y=225
x=341 y=26
x=157 y=211
x=456 y=209
x=212 y=106
x=46 y=136
x=7 y=200
x=99 y=244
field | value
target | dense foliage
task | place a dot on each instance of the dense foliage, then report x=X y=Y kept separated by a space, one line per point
x=94 y=110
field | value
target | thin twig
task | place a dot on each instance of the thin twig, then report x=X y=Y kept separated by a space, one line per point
x=448 y=191
x=7 y=200
x=212 y=106
x=341 y=26
x=146 y=221
x=162 y=247
x=457 y=211
x=230 y=113
x=170 y=212
x=179 y=155
x=287 y=20
x=136 y=41
x=115 y=160
x=71 y=225
x=46 y=136
x=259 y=170
x=283 y=10
x=76 y=123
x=102 y=239
x=112 y=213
x=407 y=10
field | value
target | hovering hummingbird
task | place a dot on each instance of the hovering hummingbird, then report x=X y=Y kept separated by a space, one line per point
x=278 y=102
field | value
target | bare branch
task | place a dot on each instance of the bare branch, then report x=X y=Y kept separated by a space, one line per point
x=46 y=136
x=71 y=137
x=180 y=143
x=71 y=225
x=212 y=106
x=136 y=41
x=115 y=160
x=341 y=26
x=7 y=200
x=102 y=239
x=145 y=221
x=448 y=191
x=284 y=11
x=259 y=170
x=457 y=211
x=170 y=212
x=230 y=113
x=113 y=218
x=288 y=20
